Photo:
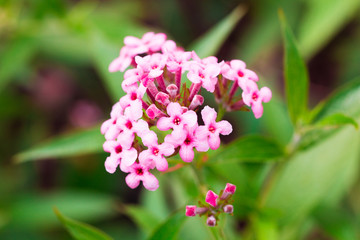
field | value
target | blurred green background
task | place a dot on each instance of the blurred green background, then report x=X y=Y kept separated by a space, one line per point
x=54 y=56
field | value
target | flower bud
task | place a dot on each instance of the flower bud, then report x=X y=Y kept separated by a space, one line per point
x=172 y=90
x=228 y=208
x=190 y=211
x=197 y=101
x=162 y=98
x=152 y=111
x=211 y=198
x=229 y=190
x=211 y=221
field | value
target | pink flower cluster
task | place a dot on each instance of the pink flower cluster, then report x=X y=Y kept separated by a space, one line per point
x=157 y=118
x=214 y=205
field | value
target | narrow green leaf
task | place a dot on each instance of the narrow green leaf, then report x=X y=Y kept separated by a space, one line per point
x=34 y=210
x=248 y=148
x=319 y=24
x=104 y=52
x=14 y=57
x=79 y=230
x=345 y=101
x=71 y=144
x=337 y=119
x=310 y=176
x=210 y=43
x=295 y=74
x=170 y=228
x=144 y=219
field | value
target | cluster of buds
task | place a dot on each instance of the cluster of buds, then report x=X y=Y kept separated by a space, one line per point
x=214 y=205
x=157 y=101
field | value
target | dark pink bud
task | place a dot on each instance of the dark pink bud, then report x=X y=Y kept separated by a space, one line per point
x=211 y=221
x=162 y=98
x=211 y=198
x=229 y=208
x=172 y=90
x=190 y=211
x=201 y=210
x=197 y=101
x=152 y=111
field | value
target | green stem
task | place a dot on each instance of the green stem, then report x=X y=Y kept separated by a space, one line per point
x=221 y=112
x=199 y=179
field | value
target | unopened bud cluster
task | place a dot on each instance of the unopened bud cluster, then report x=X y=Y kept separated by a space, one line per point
x=214 y=205
x=157 y=99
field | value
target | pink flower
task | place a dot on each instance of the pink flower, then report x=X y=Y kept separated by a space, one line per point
x=206 y=75
x=212 y=129
x=130 y=123
x=190 y=211
x=119 y=154
x=131 y=78
x=133 y=93
x=211 y=198
x=138 y=172
x=152 y=65
x=187 y=140
x=109 y=127
x=254 y=98
x=177 y=118
x=155 y=153
x=176 y=60
x=237 y=72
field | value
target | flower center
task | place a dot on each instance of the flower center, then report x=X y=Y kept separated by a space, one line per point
x=118 y=149
x=201 y=75
x=139 y=171
x=240 y=73
x=156 y=151
x=188 y=140
x=129 y=125
x=133 y=96
x=212 y=129
x=255 y=96
x=177 y=121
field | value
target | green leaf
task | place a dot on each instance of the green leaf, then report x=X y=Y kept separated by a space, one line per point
x=144 y=219
x=71 y=144
x=295 y=74
x=265 y=229
x=309 y=177
x=337 y=119
x=248 y=148
x=170 y=228
x=319 y=25
x=343 y=101
x=15 y=56
x=79 y=230
x=104 y=52
x=336 y=222
x=210 y=43
x=34 y=211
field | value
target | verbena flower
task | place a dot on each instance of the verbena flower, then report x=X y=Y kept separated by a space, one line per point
x=157 y=99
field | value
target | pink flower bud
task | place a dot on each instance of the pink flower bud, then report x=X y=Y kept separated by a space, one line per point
x=197 y=101
x=229 y=190
x=172 y=89
x=228 y=208
x=162 y=98
x=211 y=221
x=152 y=111
x=211 y=198
x=190 y=211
